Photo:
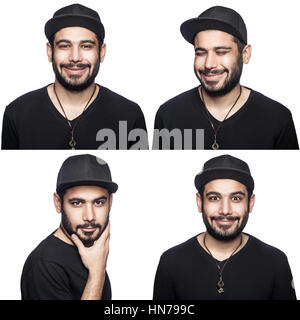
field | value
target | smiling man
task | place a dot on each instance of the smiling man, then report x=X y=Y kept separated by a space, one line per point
x=221 y=113
x=224 y=262
x=72 y=112
x=70 y=264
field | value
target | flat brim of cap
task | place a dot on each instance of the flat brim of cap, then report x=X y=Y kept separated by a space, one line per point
x=110 y=186
x=191 y=27
x=57 y=23
x=206 y=176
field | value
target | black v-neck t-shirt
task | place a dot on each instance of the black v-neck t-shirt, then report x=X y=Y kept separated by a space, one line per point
x=257 y=272
x=33 y=122
x=54 y=271
x=261 y=123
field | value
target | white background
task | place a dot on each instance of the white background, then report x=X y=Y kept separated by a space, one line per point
x=147 y=59
x=153 y=210
x=148 y=62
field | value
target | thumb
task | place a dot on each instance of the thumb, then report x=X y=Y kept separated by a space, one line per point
x=77 y=241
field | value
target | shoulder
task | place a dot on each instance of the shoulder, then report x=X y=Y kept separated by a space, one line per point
x=118 y=101
x=267 y=251
x=180 y=102
x=45 y=252
x=269 y=105
x=180 y=251
x=27 y=100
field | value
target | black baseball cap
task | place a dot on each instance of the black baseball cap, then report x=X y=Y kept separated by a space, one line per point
x=225 y=167
x=85 y=170
x=215 y=18
x=75 y=15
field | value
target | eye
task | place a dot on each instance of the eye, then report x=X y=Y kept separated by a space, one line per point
x=87 y=46
x=76 y=203
x=200 y=53
x=221 y=52
x=99 y=203
x=236 y=198
x=213 y=198
x=64 y=46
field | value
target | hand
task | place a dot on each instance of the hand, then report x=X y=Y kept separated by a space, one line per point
x=94 y=258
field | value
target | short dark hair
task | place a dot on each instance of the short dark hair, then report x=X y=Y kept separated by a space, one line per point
x=239 y=43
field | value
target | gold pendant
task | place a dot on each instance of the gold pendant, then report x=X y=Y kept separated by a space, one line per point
x=215 y=146
x=72 y=143
x=220 y=286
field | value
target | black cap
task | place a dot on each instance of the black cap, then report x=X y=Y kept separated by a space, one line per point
x=215 y=18
x=85 y=170
x=225 y=167
x=75 y=15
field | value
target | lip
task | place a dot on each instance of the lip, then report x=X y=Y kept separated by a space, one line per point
x=75 y=70
x=88 y=229
x=225 y=222
x=213 y=77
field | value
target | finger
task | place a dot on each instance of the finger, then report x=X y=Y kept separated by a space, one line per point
x=77 y=241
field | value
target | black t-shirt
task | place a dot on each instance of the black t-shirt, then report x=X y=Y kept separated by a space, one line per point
x=257 y=272
x=33 y=122
x=261 y=123
x=54 y=271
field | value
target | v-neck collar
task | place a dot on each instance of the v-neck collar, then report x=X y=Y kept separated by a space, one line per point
x=61 y=117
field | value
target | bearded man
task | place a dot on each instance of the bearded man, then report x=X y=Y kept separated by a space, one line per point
x=70 y=264
x=74 y=112
x=224 y=263
x=221 y=113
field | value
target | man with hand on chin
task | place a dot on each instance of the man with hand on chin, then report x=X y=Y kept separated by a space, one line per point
x=231 y=115
x=70 y=113
x=223 y=262
x=70 y=264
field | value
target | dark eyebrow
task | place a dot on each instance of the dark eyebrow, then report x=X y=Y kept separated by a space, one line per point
x=238 y=193
x=218 y=193
x=88 y=41
x=213 y=193
x=215 y=48
x=82 y=41
x=101 y=198
x=62 y=40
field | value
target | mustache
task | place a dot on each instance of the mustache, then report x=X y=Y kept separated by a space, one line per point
x=89 y=225
x=229 y=218
x=75 y=65
x=206 y=72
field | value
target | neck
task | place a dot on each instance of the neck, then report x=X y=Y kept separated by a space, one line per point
x=221 y=102
x=222 y=249
x=74 y=98
x=62 y=234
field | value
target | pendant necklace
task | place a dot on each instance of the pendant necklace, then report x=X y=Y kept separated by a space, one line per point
x=220 y=283
x=215 y=145
x=72 y=142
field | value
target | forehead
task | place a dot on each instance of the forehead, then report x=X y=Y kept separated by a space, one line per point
x=86 y=192
x=75 y=34
x=213 y=38
x=224 y=186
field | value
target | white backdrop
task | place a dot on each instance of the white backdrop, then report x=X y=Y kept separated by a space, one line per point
x=153 y=210
x=147 y=60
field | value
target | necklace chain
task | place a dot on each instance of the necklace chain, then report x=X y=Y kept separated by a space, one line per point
x=215 y=145
x=220 y=283
x=72 y=142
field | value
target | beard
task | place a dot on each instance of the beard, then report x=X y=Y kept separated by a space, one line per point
x=225 y=234
x=230 y=82
x=74 y=83
x=87 y=238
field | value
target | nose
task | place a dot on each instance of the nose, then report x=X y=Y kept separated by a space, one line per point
x=211 y=60
x=225 y=207
x=88 y=214
x=75 y=55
